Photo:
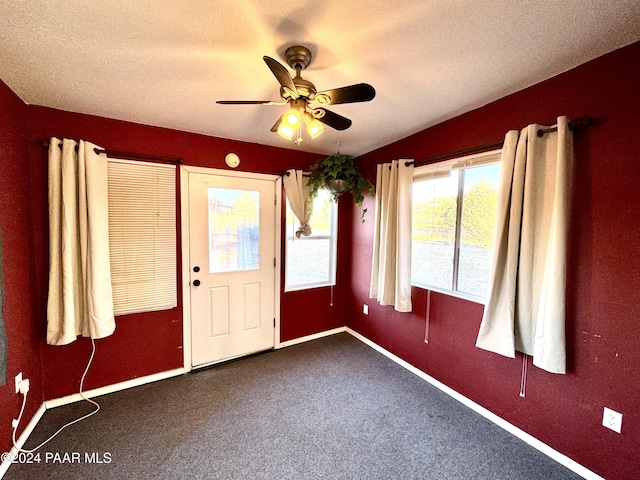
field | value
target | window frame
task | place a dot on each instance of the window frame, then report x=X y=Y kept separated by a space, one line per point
x=333 y=247
x=461 y=164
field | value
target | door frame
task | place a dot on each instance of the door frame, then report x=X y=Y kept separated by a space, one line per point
x=185 y=170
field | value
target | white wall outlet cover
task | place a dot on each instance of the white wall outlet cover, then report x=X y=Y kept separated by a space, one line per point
x=365 y=309
x=232 y=160
x=612 y=419
x=18 y=380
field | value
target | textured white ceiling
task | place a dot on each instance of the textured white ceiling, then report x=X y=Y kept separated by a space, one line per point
x=165 y=63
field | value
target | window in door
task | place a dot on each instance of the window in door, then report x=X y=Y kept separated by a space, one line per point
x=234 y=230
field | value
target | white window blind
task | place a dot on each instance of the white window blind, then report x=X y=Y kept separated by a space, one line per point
x=443 y=169
x=142 y=236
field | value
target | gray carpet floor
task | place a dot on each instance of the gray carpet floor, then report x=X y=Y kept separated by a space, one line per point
x=332 y=408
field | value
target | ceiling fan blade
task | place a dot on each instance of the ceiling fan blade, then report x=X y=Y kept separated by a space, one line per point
x=361 y=92
x=332 y=119
x=281 y=74
x=249 y=102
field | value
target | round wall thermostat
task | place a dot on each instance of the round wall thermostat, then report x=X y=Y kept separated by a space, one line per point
x=232 y=160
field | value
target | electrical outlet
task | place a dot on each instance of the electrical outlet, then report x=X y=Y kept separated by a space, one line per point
x=365 y=309
x=18 y=380
x=24 y=386
x=612 y=419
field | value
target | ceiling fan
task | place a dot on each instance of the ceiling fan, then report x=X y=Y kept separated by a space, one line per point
x=305 y=102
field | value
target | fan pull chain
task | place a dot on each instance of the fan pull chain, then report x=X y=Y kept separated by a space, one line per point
x=523 y=380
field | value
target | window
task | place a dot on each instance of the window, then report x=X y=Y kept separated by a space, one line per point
x=454 y=214
x=311 y=261
x=234 y=230
x=142 y=236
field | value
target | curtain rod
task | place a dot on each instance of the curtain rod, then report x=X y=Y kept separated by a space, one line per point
x=577 y=123
x=137 y=156
x=127 y=155
x=287 y=174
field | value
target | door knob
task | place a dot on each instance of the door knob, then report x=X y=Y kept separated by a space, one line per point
x=196 y=283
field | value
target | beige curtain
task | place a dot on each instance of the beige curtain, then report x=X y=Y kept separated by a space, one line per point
x=391 y=263
x=295 y=185
x=80 y=299
x=526 y=304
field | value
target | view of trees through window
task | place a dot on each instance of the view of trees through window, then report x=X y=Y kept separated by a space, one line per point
x=441 y=224
x=234 y=230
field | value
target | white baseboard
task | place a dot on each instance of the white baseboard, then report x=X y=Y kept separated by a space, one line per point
x=116 y=387
x=315 y=336
x=521 y=434
x=22 y=439
x=96 y=392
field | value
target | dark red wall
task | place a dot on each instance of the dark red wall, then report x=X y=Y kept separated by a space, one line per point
x=603 y=301
x=143 y=344
x=150 y=342
x=19 y=311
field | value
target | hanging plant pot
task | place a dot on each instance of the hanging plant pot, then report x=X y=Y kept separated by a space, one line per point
x=338 y=174
x=337 y=187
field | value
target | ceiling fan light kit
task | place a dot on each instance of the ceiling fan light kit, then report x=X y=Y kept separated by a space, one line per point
x=306 y=104
x=314 y=127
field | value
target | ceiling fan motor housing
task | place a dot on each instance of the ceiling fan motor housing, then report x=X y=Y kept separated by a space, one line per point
x=298 y=57
x=304 y=87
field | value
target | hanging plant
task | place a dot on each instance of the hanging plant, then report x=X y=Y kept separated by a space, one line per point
x=338 y=174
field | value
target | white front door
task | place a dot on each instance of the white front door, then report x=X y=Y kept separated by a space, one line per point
x=232 y=265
